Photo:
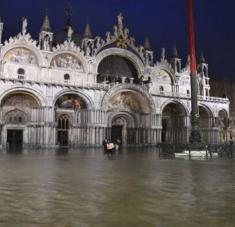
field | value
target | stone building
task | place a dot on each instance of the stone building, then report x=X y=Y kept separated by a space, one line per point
x=65 y=89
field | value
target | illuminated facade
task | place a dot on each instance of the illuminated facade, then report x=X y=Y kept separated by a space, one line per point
x=70 y=90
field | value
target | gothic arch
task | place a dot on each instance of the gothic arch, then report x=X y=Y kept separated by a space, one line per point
x=122 y=53
x=85 y=97
x=77 y=55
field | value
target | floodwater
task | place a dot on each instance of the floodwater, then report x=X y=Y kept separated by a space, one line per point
x=85 y=187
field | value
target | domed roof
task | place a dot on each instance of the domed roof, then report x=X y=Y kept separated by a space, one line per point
x=61 y=36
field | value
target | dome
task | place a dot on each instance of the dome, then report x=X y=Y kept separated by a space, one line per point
x=61 y=36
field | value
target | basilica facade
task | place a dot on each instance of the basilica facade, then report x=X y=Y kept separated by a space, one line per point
x=65 y=89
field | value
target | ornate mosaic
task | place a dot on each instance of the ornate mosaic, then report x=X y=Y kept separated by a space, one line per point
x=67 y=61
x=21 y=55
x=70 y=102
x=127 y=100
x=22 y=100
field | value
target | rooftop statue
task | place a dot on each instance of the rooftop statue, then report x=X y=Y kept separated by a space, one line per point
x=24 y=25
x=120 y=21
x=70 y=33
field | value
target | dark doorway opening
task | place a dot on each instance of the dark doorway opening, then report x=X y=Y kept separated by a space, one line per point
x=63 y=138
x=116 y=133
x=63 y=130
x=15 y=139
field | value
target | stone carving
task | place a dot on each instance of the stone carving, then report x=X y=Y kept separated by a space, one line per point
x=67 y=61
x=16 y=117
x=21 y=55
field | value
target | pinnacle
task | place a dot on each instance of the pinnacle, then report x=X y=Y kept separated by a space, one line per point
x=46 y=24
x=87 y=32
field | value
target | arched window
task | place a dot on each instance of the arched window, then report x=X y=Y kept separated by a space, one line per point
x=63 y=122
x=66 y=77
x=161 y=89
x=20 y=73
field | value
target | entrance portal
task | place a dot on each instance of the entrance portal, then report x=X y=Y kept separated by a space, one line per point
x=63 y=130
x=116 y=133
x=15 y=139
x=63 y=137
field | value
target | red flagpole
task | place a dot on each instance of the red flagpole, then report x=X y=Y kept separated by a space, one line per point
x=191 y=38
x=195 y=134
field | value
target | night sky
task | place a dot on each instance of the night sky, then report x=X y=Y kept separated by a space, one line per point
x=163 y=21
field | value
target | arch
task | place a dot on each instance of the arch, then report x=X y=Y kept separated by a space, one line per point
x=115 y=90
x=206 y=108
x=112 y=116
x=113 y=67
x=67 y=56
x=181 y=104
x=22 y=90
x=157 y=72
x=223 y=113
x=174 y=123
x=16 y=116
x=25 y=49
x=139 y=65
x=88 y=101
x=122 y=127
x=20 y=71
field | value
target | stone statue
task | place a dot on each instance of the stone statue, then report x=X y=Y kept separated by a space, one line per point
x=70 y=33
x=120 y=21
x=24 y=25
x=46 y=43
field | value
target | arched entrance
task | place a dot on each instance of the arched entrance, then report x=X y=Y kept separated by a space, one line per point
x=174 y=124
x=122 y=128
x=68 y=109
x=129 y=118
x=205 y=124
x=16 y=108
x=63 y=130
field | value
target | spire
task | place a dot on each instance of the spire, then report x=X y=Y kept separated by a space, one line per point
x=68 y=15
x=87 y=32
x=147 y=45
x=46 y=24
x=202 y=58
x=174 y=52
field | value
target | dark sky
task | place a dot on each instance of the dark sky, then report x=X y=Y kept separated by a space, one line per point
x=163 y=21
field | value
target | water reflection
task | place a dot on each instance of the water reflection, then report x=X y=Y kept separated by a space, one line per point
x=85 y=187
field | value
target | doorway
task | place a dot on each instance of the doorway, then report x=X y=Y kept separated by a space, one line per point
x=116 y=133
x=63 y=130
x=15 y=139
